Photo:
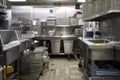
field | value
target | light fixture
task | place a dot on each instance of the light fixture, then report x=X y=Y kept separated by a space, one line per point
x=17 y=0
x=81 y=1
x=34 y=22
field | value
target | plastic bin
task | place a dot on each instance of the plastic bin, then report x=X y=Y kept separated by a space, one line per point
x=110 y=68
x=68 y=46
x=55 y=44
x=40 y=50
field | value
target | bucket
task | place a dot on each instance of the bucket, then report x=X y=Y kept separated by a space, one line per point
x=68 y=46
x=55 y=44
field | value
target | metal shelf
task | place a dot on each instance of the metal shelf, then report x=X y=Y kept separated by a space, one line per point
x=106 y=68
x=48 y=26
x=52 y=26
x=2 y=17
x=58 y=54
x=3 y=13
x=1 y=6
x=30 y=76
x=105 y=15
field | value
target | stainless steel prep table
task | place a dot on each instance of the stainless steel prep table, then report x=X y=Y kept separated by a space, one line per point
x=97 y=52
x=10 y=50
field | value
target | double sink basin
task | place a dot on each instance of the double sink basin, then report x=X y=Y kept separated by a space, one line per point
x=47 y=37
x=99 y=41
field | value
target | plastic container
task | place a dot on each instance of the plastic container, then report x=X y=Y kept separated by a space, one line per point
x=77 y=31
x=51 y=32
x=9 y=69
x=55 y=44
x=89 y=34
x=68 y=46
x=40 y=50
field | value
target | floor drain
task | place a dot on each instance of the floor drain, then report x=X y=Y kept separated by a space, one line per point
x=52 y=69
x=52 y=64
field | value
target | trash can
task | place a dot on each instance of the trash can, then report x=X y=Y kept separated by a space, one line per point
x=68 y=46
x=55 y=44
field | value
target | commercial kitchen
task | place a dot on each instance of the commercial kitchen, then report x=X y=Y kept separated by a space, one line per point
x=59 y=40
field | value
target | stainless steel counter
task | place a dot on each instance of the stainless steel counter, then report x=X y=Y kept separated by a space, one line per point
x=99 y=43
x=8 y=40
x=11 y=45
x=47 y=37
x=23 y=40
x=98 y=50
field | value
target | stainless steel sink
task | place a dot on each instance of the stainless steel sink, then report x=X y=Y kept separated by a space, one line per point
x=98 y=49
x=99 y=41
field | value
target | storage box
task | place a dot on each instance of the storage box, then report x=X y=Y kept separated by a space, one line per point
x=73 y=21
x=62 y=21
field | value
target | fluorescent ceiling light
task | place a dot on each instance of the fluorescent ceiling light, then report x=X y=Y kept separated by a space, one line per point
x=17 y=0
x=81 y=0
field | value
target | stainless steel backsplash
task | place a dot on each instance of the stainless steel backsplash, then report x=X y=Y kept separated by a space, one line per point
x=110 y=28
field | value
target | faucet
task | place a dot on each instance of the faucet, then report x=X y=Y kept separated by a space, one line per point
x=44 y=33
x=109 y=39
x=61 y=33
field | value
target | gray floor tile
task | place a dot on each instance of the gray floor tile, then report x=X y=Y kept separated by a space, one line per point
x=62 y=69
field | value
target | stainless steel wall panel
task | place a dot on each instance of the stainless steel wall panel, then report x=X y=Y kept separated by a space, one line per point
x=22 y=11
x=110 y=28
x=102 y=54
x=51 y=1
x=62 y=21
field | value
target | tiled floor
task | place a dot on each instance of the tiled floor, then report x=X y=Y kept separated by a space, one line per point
x=62 y=69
